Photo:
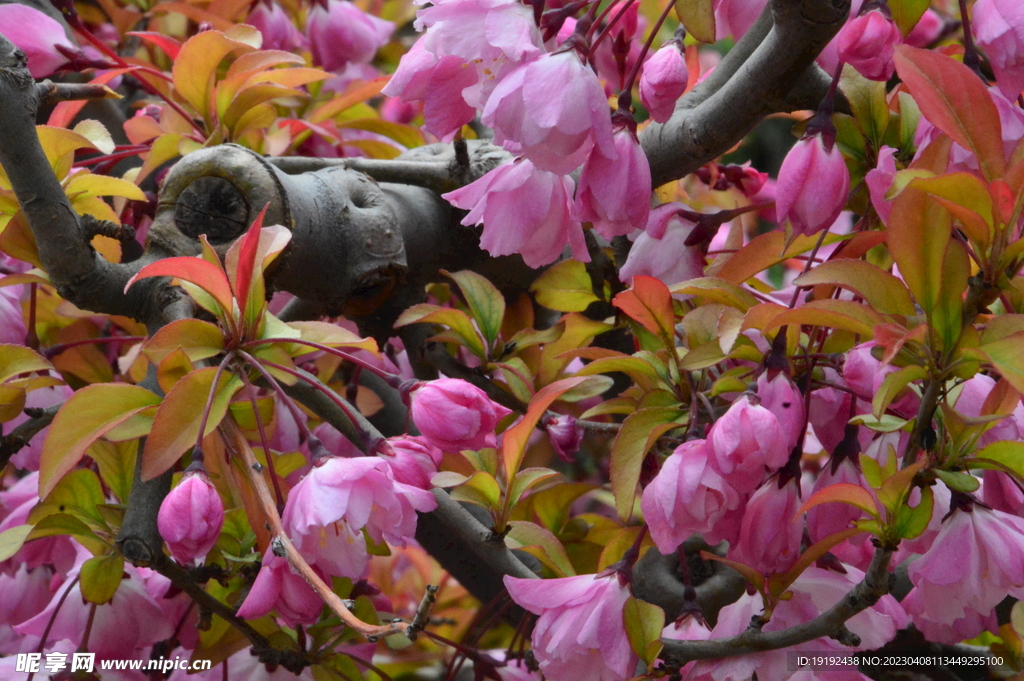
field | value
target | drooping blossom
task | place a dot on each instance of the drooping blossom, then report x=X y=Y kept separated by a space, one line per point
x=38 y=36
x=131 y=620
x=524 y=210
x=1000 y=492
x=191 y=517
x=552 y=110
x=615 y=195
x=454 y=415
x=340 y=33
x=813 y=185
x=829 y=410
x=565 y=435
x=327 y=511
x=580 y=633
x=784 y=400
x=998 y=26
x=278 y=30
x=988 y=546
x=413 y=460
x=814 y=591
x=279 y=588
x=747 y=442
x=867 y=44
x=687 y=497
x=770 y=532
x=661 y=251
x=664 y=80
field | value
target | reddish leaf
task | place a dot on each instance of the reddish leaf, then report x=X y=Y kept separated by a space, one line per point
x=166 y=43
x=649 y=302
x=842 y=492
x=955 y=100
x=203 y=274
x=249 y=248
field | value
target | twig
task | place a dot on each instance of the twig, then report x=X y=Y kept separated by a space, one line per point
x=51 y=93
x=828 y=624
x=12 y=442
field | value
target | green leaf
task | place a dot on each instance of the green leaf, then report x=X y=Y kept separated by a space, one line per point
x=456 y=320
x=116 y=463
x=967 y=197
x=892 y=385
x=12 y=539
x=882 y=291
x=644 y=622
x=565 y=287
x=199 y=340
x=958 y=481
x=698 y=17
x=78 y=493
x=1005 y=454
x=912 y=522
x=87 y=416
x=482 y=489
x=513 y=443
x=18 y=359
x=638 y=433
x=100 y=578
x=485 y=302
x=956 y=102
x=867 y=99
x=1006 y=356
x=715 y=290
x=176 y=425
x=906 y=13
x=917 y=236
x=526 y=534
x=68 y=525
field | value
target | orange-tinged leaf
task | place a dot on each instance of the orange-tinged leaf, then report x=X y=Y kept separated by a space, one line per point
x=955 y=101
x=169 y=45
x=764 y=251
x=251 y=97
x=513 y=444
x=197 y=338
x=196 y=65
x=752 y=575
x=967 y=197
x=18 y=359
x=176 y=426
x=205 y=275
x=836 y=314
x=84 y=418
x=918 y=234
x=240 y=261
x=842 y=492
x=649 y=302
x=359 y=92
x=882 y=291
x=333 y=335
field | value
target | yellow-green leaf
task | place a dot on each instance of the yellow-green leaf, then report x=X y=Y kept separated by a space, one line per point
x=100 y=578
x=565 y=287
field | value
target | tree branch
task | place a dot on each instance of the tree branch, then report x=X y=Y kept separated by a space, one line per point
x=777 y=75
x=829 y=623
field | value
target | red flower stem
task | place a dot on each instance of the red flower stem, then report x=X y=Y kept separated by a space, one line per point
x=627 y=89
x=197 y=453
x=251 y=394
x=297 y=414
x=391 y=379
x=608 y=29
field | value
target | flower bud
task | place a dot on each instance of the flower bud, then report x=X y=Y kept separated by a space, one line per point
x=191 y=517
x=813 y=186
x=867 y=44
x=38 y=36
x=279 y=33
x=565 y=435
x=664 y=80
x=342 y=33
x=455 y=415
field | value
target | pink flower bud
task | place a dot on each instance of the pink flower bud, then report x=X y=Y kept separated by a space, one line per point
x=663 y=81
x=565 y=435
x=880 y=179
x=927 y=30
x=38 y=36
x=998 y=27
x=455 y=415
x=414 y=461
x=278 y=587
x=279 y=32
x=867 y=44
x=812 y=187
x=770 y=533
x=781 y=398
x=661 y=251
x=343 y=33
x=191 y=517
x=747 y=443
x=616 y=195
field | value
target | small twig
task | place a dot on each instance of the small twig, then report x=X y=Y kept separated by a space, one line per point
x=422 y=617
x=51 y=93
x=597 y=426
x=234 y=438
x=14 y=441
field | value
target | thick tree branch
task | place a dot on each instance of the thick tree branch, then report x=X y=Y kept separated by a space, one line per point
x=778 y=75
x=829 y=623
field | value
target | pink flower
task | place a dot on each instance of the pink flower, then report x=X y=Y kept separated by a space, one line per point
x=867 y=43
x=864 y=375
x=998 y=27
x=770 y=533
x=735 y=17
x=686 y=497
x=661 y=251
x=552 y=110
x=565 y=436
x=341 y=33
x=747 y=442
x=812 y=187
x=880 y=179
x=786 y=402
x=38 y=36
x=488 y=31
x=988 y=547
x=191 y=517
x=616 y=195
x=927 y=30
x=23 y=594
x=973 y=394
x=327 y=511
x=455 y=415
x=277 y=28
x=580 y=633
x=278 y=587
x=414 y=461
x=131 y=620
x=664 y=80
x=829 y=411
x=999 y=491
x=524 y=210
